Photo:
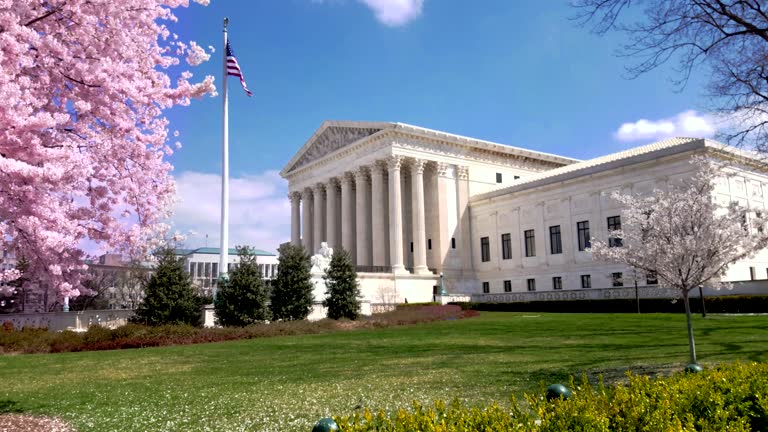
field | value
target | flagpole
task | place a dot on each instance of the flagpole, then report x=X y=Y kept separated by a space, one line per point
x=224 y=248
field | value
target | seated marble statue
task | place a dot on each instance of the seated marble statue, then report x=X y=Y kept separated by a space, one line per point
x=322 y=259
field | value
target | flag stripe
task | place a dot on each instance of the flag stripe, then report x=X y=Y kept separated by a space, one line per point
x=233 y=69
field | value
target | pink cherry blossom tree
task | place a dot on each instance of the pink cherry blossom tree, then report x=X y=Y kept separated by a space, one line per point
x=682 y=235
x=83 y=142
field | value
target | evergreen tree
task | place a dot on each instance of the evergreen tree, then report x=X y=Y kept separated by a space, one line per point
x=242 y=300
x=343 y=292
x=169 y=297
x=292 y=289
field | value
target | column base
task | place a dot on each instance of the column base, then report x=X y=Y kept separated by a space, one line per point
x=421 y=270
x=399 y=270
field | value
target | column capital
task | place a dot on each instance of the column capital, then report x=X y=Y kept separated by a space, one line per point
x=463 y=172
x=347 y=178
x=361 y=173
x=378 y=167
x=394 y=162
x=332 y=182
x=318 y=188
x=294 y=196
x=306 y=193
x=417 y=165
x=442 y=168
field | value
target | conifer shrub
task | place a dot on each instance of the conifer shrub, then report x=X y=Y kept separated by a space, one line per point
x=291 y=297
x=731 y=397
x=169 y=295
x=242 y=299
x=342 y=290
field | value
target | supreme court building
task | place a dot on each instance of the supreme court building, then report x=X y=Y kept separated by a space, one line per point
x=411 y=204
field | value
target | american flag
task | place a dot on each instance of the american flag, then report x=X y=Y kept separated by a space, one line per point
x=233 y=69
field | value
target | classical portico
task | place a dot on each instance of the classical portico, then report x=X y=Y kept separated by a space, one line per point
x=396 y=198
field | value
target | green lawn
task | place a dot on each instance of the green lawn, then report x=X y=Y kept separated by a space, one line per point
x=288 y=383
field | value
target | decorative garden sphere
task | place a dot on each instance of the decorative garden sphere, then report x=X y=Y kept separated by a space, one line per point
x=326 y=424
x=555 y=391
x=693 y=368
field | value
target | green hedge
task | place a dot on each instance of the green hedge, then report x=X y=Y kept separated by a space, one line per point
x=722 y=304
x=732 y=397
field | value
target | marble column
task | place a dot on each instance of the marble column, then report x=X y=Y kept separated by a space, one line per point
x=295 y=218
x=441 y=243
x=395 y=215
x=463 y=243
x=318 y=215
x=419 y=224
x=362 y=223
x=378 y=219
x=331 y=220
x=306 y=220
x=347 y=215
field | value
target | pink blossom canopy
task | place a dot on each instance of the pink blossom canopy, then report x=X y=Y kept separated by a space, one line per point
x=83 y=141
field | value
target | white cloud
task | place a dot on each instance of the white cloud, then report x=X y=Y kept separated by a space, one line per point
x=686 y=124
x=393 y=13
x=259 y=210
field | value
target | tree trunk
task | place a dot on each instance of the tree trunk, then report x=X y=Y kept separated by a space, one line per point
x=691 y=343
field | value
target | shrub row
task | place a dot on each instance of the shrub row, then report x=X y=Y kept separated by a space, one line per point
x=139 y=336
x=732 y=397
x=722 y=304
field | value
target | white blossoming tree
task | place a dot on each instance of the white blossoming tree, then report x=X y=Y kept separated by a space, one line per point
x=682 y=235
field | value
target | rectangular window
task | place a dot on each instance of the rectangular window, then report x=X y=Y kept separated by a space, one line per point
x=517 y=177
x=429 y=244
x=752 y=274
x=582 y=229
x=215 y=270
x=531 y=284
x=411 y=247
x=507 y=286
x=530 y=243
x=453 y=243
x=192 y=268
x=651 y=278
x=557 y=283
x=614 y=224
x=586 y=281
x=485 y=249
x=617 y=279
x=498 y=177
x=555 y=241
x=200 y=267
x=506 y=246
x=759 y=217
x=486 y=287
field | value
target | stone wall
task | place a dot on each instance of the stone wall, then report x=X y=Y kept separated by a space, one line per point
x=76 y=321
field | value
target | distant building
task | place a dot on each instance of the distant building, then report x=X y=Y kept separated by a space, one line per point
x=203 y=265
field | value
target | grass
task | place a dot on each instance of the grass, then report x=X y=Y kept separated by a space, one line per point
x=287 y=383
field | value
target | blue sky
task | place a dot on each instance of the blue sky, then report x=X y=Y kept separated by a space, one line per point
x=511 y=72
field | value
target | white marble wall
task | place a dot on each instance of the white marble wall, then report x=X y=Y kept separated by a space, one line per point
x=586 y=198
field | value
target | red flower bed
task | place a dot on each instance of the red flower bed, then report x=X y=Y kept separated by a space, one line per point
x=140 y=336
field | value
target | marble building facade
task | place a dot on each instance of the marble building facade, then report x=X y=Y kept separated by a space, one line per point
x=411 y=204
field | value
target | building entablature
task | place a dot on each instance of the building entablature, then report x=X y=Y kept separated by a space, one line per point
x=336 y=146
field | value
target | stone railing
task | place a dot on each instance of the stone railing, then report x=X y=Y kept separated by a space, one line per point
x=75 y=320
x=643 y=292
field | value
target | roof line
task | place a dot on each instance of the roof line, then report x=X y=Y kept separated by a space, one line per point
x=631 y=156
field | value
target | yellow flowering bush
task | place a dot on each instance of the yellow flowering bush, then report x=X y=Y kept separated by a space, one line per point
x=725 y=398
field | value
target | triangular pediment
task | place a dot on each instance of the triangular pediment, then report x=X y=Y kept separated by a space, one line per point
x=330 y=137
